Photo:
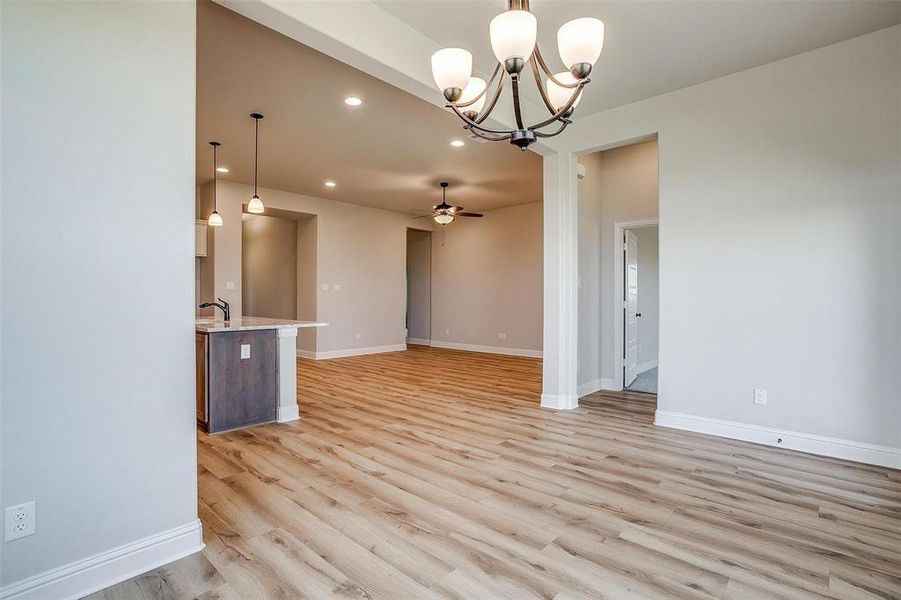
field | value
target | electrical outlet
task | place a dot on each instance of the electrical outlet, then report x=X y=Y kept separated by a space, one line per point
x=19 y=521
x=245 y=351
x=357 y=336
x=501 y=336
x=324 y=287
x=760 y=396
x=337 y=287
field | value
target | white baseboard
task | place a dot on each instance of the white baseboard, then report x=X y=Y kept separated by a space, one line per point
x=350 y=352
x=287 y=413
x=596 y=385
x=872 y=454
x=559 y=402
x=645 y=366
x=419 y=342
x=102 y=570
x=487 y=349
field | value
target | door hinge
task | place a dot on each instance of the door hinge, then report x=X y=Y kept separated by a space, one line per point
x=625 y=304
x=625 y=246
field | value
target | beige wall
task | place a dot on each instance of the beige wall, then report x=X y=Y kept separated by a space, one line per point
x=619 y=185
x=269 y=266
x=419 y=284
x=360 y=248
x=307 y=294
x=487 y=279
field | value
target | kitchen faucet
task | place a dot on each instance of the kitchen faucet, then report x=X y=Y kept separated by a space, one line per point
x=224 y=307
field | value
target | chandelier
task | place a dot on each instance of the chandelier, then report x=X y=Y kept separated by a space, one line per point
x=513 y=35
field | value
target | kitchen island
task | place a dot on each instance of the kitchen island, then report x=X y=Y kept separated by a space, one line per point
x=246 y=371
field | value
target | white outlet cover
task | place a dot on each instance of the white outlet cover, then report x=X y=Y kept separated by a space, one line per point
x=447 y=332
x=336 y=287
x=19 y=521
x=229 y=285
x=245 y=351
x=324 y=287
x=501 y=336
x=760 y=396
x=356 y=336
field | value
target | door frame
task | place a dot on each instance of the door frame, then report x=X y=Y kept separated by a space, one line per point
x=618 y=286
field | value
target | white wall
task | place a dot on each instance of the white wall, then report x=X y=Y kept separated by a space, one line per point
x=620 y=185
x=648 y=300
x=779 y=245
x=96 y=328
x=487 y=279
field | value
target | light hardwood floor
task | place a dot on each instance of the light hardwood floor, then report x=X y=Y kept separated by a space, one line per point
x=434 y=473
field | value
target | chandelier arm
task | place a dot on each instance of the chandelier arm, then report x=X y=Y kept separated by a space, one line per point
x=563 y=124
x=490 y=138
x=533 y=66
x=497 y=94
x=537 y=55
x=565 y=109
x=473 y=125
x=485 y=91
x=517 y=110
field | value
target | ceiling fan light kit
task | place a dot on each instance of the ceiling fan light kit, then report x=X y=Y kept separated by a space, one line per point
x=513 y=39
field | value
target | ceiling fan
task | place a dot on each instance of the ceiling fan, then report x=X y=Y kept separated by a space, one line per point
x=444 y=213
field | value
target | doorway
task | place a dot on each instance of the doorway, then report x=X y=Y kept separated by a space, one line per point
x=639 y=305
x=419 y=287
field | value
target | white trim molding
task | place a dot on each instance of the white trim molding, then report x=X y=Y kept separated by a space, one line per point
x=287 y=413
x=350 y=352
x=559 y=402
x=596 y=385
x=419 y=342
x=94 y=573
x=862 y=452
x=487 y=349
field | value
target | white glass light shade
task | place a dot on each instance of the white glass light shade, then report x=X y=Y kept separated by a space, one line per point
x=580 y=41
x=558 y=95
x=451 y=68
x=443 y=219
x=475 y=87
x=215 y=220
x=255 y=205
x=513 y=34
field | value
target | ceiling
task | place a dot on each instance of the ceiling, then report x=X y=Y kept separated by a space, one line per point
x=654 y=47
x=391 y=152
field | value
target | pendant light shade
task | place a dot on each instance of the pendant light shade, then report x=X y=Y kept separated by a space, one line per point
x=451 y=69
x=215 y=219
x=580 y=41
x=513 y=35
x=255 y=205
x=558 y=95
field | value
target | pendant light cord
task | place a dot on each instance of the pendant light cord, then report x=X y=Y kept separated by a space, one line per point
x=256 y=153
x=215 y=179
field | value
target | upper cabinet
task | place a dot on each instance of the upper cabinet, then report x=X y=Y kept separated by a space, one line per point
x=200 y=237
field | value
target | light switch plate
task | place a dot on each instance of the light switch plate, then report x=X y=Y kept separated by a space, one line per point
x=760 y=396
x=245 y=351
x=229 y=285
x=324 y=287
x=336 y=287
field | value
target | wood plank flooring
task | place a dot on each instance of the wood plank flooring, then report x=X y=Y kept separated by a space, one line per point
x=434 y=474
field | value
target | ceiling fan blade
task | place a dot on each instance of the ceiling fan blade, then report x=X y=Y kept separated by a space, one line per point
x=421 y=217
x=468 y=214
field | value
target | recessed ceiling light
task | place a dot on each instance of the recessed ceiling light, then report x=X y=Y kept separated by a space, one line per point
x=457 y=143
x=222 y=169
x=330 y=183
x=352 y=101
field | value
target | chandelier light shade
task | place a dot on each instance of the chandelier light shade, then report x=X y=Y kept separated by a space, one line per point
x=452 y=68
x=559 y=95
x=580 y=41
x=215 y=219
x=473 y=92
x=255 y=205
x=513 y=35
x=513 y=41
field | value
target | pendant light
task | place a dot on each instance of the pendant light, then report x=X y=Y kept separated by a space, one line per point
x=255 y=205
x=215 y=219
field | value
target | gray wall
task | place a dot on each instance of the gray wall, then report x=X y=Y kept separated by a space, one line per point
x=419 y=284
x=780 y=263
x=269 y=266
x=307 y=291
x=648 y=300
x=619 y=185
x=96 y=322
x=487 y=279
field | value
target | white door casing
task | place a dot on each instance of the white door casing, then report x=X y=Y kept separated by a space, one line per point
x=631 y=315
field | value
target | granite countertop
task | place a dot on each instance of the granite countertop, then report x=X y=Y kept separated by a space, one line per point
x=212 y=325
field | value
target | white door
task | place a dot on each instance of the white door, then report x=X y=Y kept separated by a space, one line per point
x=630 y=294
